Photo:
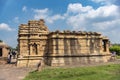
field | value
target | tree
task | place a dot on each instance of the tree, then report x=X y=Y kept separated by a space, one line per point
x=1 y=41
x=115 y=48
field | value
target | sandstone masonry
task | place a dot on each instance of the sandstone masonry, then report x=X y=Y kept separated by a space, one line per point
x=59 y=48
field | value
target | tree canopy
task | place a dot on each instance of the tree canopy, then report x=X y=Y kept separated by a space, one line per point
x=1 y=41
x=115 y=48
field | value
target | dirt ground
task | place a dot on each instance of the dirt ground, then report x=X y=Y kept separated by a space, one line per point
x=11 y=72
x=7 y=72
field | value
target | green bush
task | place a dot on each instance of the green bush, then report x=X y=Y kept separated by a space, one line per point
x=115 y=48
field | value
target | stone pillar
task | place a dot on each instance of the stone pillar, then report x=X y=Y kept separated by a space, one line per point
x=38 y=49
x=57 y=46
x=30 y=50
x=92 y=47
x=54 y=47
x=107 y=46
x=88 y=45
x=101 y=46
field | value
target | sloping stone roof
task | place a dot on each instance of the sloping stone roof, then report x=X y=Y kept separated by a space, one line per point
x=3 y=44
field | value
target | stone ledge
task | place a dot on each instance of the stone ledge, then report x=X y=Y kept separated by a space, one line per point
x=29 y=59
x=75 y=55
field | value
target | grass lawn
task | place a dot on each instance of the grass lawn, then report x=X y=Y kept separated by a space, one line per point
x=106 y=72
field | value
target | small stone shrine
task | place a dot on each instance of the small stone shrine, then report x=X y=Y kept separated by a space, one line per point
x=4 y=50
x=59 y=48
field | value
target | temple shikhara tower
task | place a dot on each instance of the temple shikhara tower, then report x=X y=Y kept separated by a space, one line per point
x=59 y=48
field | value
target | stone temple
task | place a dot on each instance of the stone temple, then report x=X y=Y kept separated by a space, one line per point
x=4 y=50
x=59 y=48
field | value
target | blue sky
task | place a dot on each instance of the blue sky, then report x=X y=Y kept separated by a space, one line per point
x=80 y=15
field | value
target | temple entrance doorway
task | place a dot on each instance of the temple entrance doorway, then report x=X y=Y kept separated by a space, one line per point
x=0 y=52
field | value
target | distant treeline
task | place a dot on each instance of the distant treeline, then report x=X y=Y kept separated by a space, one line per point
x=115 y=48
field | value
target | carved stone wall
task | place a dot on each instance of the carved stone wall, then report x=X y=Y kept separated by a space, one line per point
x=32 y=42
x=60 y=48
x=70 y=48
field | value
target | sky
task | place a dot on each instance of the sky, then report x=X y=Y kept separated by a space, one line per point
x=81 y=15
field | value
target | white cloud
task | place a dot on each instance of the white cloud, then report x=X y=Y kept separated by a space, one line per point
x=77 y=8
x=54 y=18
x=4 y=26
x=45 y=14
x=114 y=31
x=24 y=8
x=77 y=22
x=107 y=25
x=76 y=16
x=91 y=19
x=16 y=19
x=41 y=13
x=104 y=11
